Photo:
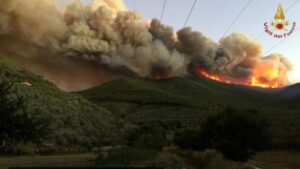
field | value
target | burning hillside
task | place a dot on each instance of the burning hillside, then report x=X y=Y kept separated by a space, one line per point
x=252 y=81
x=264 y=74
x=78 y=50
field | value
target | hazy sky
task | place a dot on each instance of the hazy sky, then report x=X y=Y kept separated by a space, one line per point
x=213 y=17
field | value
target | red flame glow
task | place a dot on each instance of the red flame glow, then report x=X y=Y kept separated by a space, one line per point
x=263 y=78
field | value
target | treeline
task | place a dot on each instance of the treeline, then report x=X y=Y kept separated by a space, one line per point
x=231 y=134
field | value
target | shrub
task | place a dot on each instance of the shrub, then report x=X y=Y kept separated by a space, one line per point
x=238 y=135
x=124 y=156
x=148 y=136
x=209 y=159
x=47 y=149
x=188 y=138
x=24 y=149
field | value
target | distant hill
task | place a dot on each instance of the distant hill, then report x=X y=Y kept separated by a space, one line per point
x=75 y=122
x=191 y=100
x=289 y=93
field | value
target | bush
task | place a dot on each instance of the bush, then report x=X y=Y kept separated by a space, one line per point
x=47 y=149
x=209 y=159
x=175 y=158
x=238 y=135
x=124 y=156
x=148 y=136
x=188 y=138
x=21 y=148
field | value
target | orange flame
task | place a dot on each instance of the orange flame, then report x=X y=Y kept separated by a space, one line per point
x=255 y=80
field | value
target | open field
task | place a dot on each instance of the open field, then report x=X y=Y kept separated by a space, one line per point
x=47 y=161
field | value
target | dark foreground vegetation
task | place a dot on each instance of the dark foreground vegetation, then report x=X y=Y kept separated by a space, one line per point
x=177 y=123
x=238 y=135
x=38 y=118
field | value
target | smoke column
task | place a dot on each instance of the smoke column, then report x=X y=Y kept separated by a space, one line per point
x=77 y=52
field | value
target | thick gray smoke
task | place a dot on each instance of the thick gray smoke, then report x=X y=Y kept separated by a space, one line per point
x=78 y=50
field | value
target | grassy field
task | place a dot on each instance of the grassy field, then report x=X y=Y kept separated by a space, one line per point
x=48 y=161
x=277 y=160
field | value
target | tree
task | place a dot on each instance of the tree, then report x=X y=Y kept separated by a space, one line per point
x=238 y=135
x=16 y=124
x=188 y=138
x=150 y=136
x=8 y=109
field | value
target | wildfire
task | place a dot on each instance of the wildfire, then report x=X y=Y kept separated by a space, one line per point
x=254 y=81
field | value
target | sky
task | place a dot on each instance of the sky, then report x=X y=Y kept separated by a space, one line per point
x=213 y=17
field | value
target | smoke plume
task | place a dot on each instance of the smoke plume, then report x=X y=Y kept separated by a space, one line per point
x=77 y=50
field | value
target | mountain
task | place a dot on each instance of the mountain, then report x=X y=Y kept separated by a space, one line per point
x=289 y=93
x=102 y=115
x=191 y=100
x=74 y=121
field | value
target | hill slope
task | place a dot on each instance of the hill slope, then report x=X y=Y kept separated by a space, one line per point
x=190 y=100
x=290 y=93
x=74 y=121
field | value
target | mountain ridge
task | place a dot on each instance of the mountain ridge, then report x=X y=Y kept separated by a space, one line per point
x=191 y=100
